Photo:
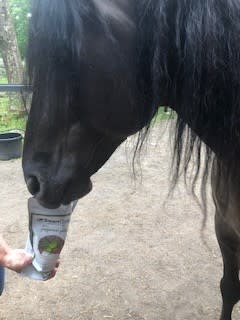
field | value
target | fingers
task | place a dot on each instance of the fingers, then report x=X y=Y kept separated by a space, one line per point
x=20 y=259
x=54 y=271
x=17 y=259
x=51 y=275
x=27 y=259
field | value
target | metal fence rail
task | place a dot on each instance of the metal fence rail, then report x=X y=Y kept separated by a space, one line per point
x=24 y=87
x=14 y=87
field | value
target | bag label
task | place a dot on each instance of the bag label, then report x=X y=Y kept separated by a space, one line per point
x=47 y=234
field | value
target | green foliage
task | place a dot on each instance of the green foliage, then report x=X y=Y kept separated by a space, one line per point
x=10 y=120
x=20 y=15
x=3 y=79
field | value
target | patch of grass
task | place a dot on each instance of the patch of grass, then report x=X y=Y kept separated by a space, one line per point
x=11 y=115
x=3 y=80
x=4 y=101
x=12 y=121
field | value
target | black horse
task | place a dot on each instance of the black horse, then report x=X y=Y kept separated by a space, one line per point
x=100 y=69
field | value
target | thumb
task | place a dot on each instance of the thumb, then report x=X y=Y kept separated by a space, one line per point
x=27 y=259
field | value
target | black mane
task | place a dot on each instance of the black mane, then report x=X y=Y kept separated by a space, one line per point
x=195 y=66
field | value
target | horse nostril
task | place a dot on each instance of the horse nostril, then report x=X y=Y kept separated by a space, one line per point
x=33 y=185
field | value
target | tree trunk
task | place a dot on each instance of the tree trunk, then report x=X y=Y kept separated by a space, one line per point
x=10 y=52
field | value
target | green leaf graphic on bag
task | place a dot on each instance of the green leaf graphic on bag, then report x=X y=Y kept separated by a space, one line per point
x=51 y=244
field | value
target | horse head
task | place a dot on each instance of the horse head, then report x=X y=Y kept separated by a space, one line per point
x=86 y=98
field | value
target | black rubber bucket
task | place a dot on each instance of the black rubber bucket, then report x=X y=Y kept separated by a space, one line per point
x=10 y=145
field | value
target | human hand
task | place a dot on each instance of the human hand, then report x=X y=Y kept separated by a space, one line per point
x=16 y=259
x=54 y=271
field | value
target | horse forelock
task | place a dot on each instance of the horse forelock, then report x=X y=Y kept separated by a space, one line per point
x=56 y=45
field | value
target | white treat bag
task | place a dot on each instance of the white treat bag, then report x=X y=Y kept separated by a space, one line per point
x=47 y=233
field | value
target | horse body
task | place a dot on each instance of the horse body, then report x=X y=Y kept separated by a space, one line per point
x=100 y=69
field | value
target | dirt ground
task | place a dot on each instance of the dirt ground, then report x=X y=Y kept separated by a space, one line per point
x=130 y=255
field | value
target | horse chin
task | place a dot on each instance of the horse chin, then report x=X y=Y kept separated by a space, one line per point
x=72 y=193
x=77 y=193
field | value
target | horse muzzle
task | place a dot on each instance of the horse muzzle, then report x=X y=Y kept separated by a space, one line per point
x=52 y=194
